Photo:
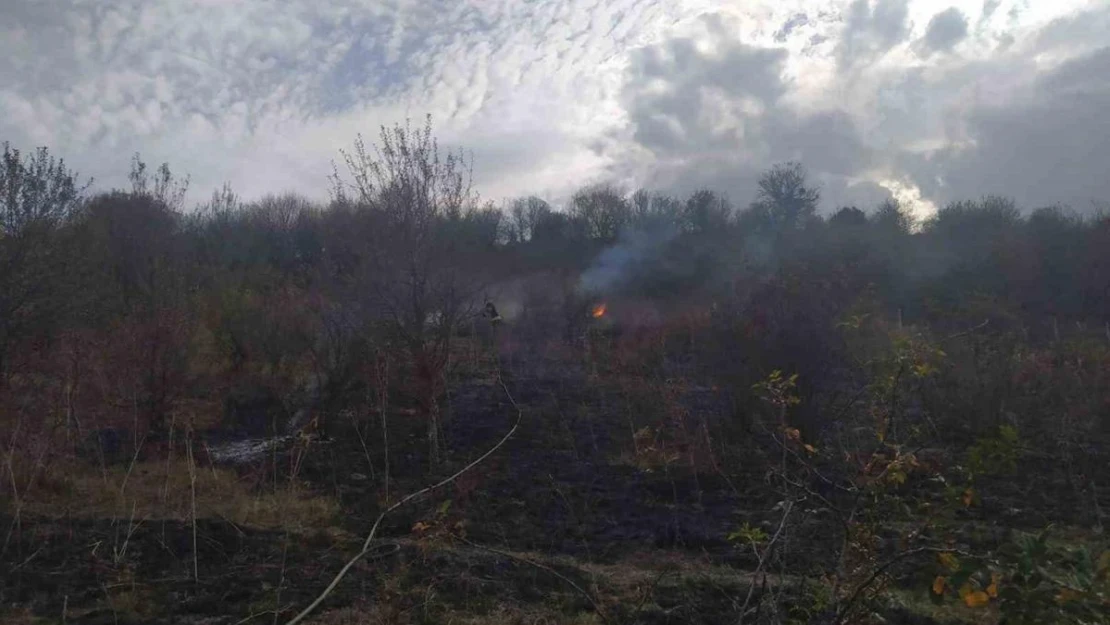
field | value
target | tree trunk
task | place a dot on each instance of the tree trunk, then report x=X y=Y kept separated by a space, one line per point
x=427 y=375
x=433 y=433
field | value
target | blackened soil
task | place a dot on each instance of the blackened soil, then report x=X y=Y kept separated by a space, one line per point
x=562 y=486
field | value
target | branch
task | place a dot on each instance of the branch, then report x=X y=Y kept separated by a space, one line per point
x=374 y=529
x=968 y=331
x=763 y=559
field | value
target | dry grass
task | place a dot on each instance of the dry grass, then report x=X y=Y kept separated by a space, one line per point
x=501 y=615
x=19 y=616
x=163 y=491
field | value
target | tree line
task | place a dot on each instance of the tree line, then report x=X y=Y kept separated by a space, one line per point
x=127 y=301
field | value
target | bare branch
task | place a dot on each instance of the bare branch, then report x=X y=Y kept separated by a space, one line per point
x=374 y=529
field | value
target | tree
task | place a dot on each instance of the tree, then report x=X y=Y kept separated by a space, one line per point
x=35 y=190
x=705 y=212
x=164 y=188
x=892 y=219
x=603 y=209
x=785 y=199
x=848 y=217
x=524 y=214
x=418 y=285
x=37 y=193
x=134 y=277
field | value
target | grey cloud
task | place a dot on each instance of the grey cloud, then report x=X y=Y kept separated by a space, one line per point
x=671 y=86
x=1046 y=147
x=945 y=30
x=719 y=120
x=837 y=192
x=1080 y=29
x=799 y=19
x=827 y=142
x=989 y=7
x=238 y=91
x=38 y=44
x=871 y=29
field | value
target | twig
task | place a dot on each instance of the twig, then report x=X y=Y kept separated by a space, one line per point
x=377 y=523
x=365 y=450
x=381 y=371
x=281 y=581
x=968 y=331
x=131 y=465
x=193 y=503
x=763 y=559
x=27 y=561
x=539 y=565
x=650 y=592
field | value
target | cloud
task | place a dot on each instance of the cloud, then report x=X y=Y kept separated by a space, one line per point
x=234 y=90
x=989 y=7
x=797 y=20
x=553 y=94
x=1044 y=145
x=946 y=29
x=927 y=130
x=719 y=117
x=871 y=29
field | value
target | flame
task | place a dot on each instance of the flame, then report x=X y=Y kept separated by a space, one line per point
x=599 y=311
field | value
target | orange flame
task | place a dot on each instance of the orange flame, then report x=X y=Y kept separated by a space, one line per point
x=599 y=311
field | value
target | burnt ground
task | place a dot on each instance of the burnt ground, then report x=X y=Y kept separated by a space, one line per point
x=564 y=489
x=572 y=497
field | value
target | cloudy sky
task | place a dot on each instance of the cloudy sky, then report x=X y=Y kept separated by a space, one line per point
x=928 y=100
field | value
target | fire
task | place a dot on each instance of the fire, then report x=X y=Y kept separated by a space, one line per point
x=599 y=311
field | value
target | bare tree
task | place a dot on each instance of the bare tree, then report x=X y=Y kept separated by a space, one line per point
x=603 y=209
x=785 y=198
x=37 y=193
x=415 y=278
x=524 y=214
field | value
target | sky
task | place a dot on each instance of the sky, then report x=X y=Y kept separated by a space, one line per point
x=927 y=101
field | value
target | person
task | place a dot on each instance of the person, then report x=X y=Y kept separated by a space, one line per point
x=491 y=314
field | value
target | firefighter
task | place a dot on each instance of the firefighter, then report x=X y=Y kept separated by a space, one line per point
x=491 y=314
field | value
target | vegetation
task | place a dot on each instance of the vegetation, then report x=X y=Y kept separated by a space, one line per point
x=680 y=411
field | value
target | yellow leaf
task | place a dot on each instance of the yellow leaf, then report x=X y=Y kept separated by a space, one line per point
x=420 y=527
x=897 y=477
x=809 y=448
x=992 y=590
x=1104 y=562
x=976 y=599
x=968 y=498
x=949 y=561
x=966 y=590
x=793 y=434
x=938 y=585
x=1066 y=594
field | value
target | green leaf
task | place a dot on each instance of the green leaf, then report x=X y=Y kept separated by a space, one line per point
x=443 y=508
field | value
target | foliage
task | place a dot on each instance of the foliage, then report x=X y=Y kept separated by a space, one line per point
x=36 y=190
x=1031 y=580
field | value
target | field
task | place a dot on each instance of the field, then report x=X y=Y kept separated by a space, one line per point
x=620 y=498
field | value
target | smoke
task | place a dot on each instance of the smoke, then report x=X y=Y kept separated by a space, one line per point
x=625 y=260
x=509 y=297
